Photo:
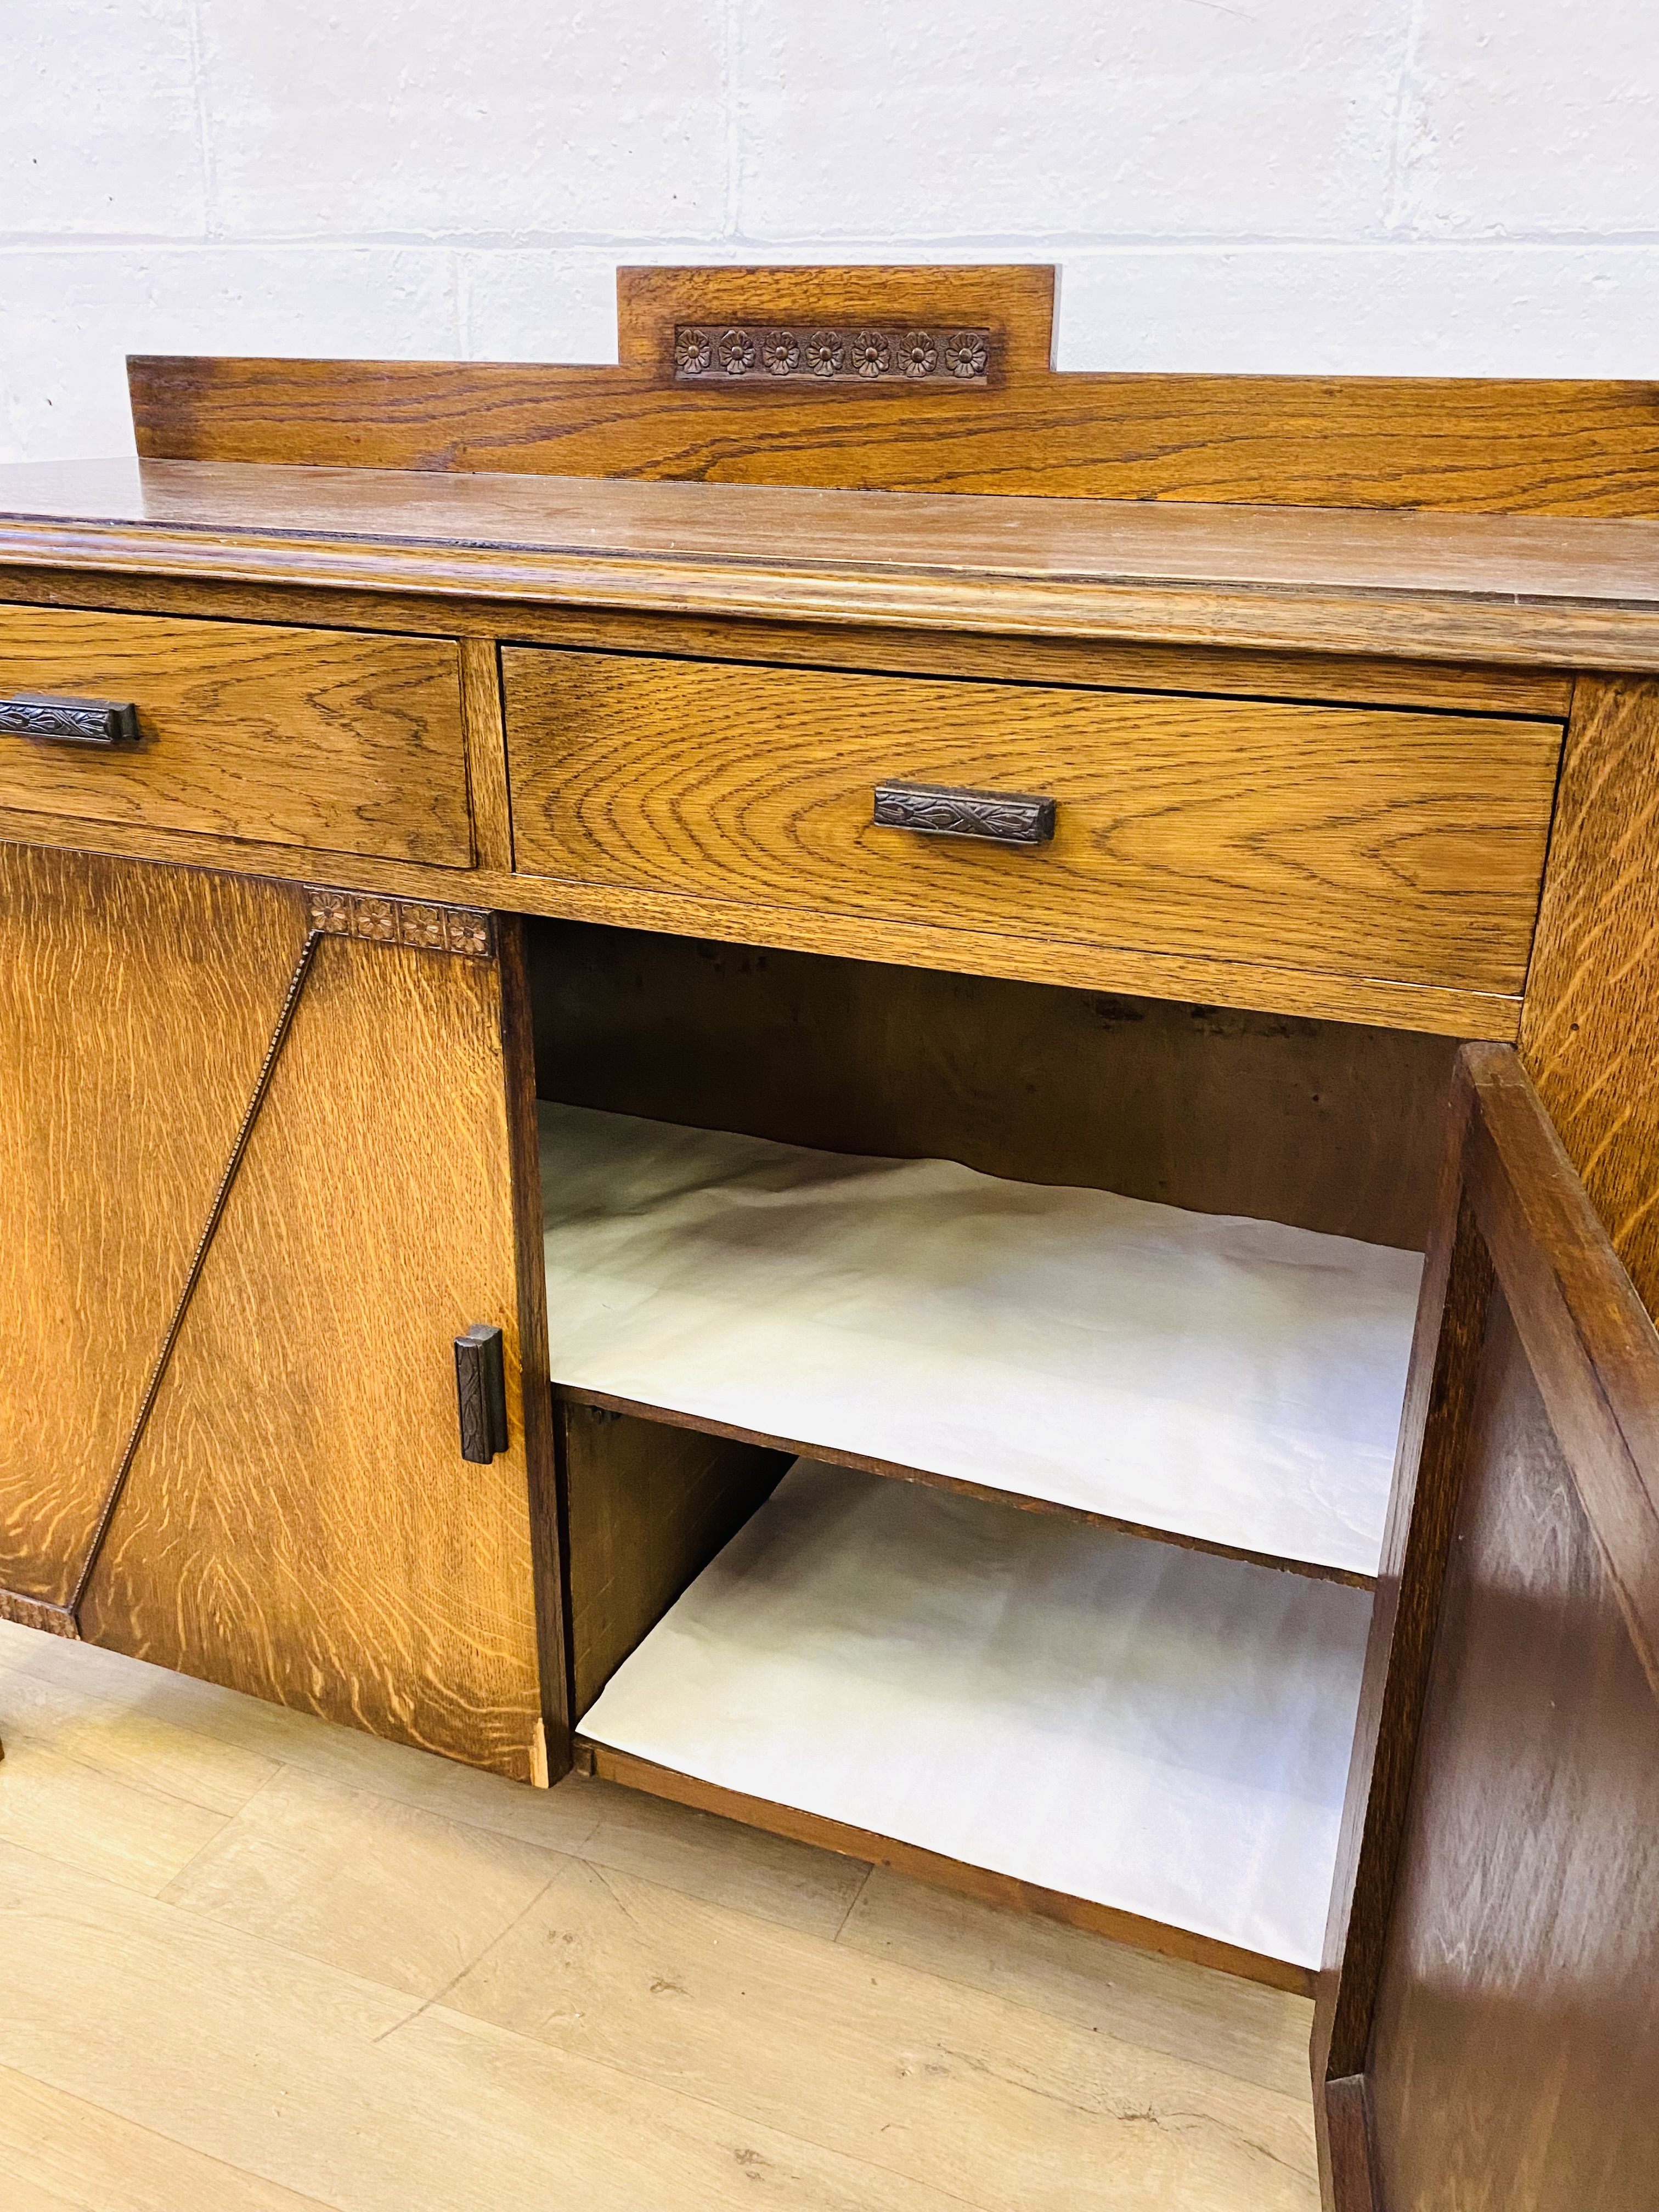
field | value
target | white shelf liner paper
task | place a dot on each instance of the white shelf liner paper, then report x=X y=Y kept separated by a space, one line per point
x=1157 y=1729
x=1226 y=1379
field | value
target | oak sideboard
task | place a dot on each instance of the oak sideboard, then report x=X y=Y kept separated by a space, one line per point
x=907 y=1095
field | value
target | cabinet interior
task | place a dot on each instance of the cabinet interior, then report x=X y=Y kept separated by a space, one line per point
x=1130 y=1559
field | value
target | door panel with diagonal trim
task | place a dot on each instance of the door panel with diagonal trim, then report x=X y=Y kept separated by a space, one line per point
x=136 y=1007
x=298 y=1522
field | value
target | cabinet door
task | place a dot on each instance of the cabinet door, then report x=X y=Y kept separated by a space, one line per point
x=286 y=1508
x=1487 y=2030
x=136 y=1007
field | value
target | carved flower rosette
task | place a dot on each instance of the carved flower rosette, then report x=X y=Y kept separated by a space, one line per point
x=826 y=352
x=968 y=353
x=694 y=351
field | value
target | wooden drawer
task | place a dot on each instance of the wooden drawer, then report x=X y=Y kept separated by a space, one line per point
x=1356 y=840
x=325 y=739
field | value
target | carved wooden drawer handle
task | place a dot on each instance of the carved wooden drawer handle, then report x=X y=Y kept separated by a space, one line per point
x=103 y=722
x=481 y=1392
x=943 y=810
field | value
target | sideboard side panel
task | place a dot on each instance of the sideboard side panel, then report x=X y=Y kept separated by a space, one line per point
x=1589 y=1033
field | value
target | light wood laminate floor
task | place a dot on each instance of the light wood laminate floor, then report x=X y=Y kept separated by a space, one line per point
x=253 y=1963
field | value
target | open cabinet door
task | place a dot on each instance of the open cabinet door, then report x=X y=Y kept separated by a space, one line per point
x=1487 y=2030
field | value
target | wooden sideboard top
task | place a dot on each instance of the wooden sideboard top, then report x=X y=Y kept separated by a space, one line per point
x=1524 y=590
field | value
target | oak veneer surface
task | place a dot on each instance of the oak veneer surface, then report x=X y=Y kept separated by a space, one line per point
x=648 y=1507
x=1210 y=977
x=1344 y=678
x=1489 y=1961
x=1362 y=841
x=294 y=737
x=1350 y=2183
x=550 y=1755
x=486 y=753
x=1433 y=1443
x=1515 y=2054
x=136 y=1006
x=299 y=1522
x=1465 y=444
x=1590 y=1029
x=1322 y=1125
x=1531 y=590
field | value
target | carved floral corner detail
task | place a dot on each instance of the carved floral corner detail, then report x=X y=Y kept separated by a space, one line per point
x=461 y=929
x=734 y=353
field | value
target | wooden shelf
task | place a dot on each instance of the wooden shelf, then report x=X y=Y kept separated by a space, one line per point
x=1121 y=1734
x=1230 y=1384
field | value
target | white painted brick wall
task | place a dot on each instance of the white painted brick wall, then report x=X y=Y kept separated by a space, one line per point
x=1465 y=186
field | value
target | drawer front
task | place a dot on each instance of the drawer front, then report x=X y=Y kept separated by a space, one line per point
x=1355 y=840
x=323 y=739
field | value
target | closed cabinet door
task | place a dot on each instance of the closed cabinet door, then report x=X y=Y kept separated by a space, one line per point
x=261 y=1142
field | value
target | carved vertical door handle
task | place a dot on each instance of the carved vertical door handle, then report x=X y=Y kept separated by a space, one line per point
x=481 y=1392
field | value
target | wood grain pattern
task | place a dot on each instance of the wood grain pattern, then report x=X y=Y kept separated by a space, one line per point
x=926 y=2054
x=1212 y=978
x=695 y=1998
x=246 y=1127
x=1259 y=2034
x=550 y=1752
x=946 y=1872
x=1349 y=2126
x=1417 y=1537
x=1348 y=679
x=1014 y=300
x=1589 y=1034
x=649 y=1506
x=119 y=982
x=1490 y=1960
x=1528 y=592
x=293 y=737
x=1368 y=843
x=486 y=754
x=1516 y=2052
x=298 y=1522
x=129 y=1831
x=342 y=2086
x=1323 y=1125
x=406 y=1901
x=1459 y=445
x=1591 y=1344
x=1111 y=663
x=81 y=2157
